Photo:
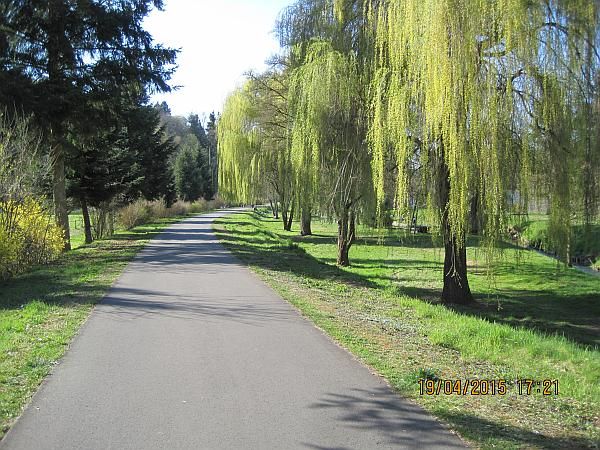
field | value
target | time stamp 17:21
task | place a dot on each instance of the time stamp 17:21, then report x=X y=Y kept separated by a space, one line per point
x=524 y=386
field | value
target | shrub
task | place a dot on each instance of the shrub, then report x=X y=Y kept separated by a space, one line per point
x=585 y=245
x=142 y=211
x=535 y=234
x=103 y=220
x=158 y=209
x=217 y=202
x=134 y=214
x=180 y=208
x=9 y=252
x=28 y=236
x=199 y=206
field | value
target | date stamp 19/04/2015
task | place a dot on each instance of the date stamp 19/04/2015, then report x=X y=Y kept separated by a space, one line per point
x=523 y=386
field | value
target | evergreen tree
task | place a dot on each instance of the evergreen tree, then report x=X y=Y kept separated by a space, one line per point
x=64 y=51
x=213 y=155
x=189 y=182
x=197 y=130
x=153 y=149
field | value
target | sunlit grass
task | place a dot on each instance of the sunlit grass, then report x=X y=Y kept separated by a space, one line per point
x=533 y=319
x=76 y=230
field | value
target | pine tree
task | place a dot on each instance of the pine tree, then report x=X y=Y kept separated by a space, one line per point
x=64 y=51
x=187 y=169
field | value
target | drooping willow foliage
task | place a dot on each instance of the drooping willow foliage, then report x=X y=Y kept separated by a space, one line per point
x=238 y=140
x=479 y=105
x=328 y=85
x=254 y=143
x=325 y=133
x=328 y=148
x=487 y=94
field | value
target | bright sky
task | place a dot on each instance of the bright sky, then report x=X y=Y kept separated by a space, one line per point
x=219 y=41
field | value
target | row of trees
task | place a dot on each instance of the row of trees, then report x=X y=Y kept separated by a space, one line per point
x=194 y=165
x=471 y=108
x=80 y=74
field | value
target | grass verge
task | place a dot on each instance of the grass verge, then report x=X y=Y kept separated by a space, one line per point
x=41 y=310
x=538 y=321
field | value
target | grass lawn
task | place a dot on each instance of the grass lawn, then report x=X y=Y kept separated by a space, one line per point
x=41 y=310
x=585 y=242
x=533 y=319
x=76 y=229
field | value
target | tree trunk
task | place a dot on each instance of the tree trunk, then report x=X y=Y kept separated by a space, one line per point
x=284 y=218
x=456 y=285
x=305 y=220
x=87 y=224
x=287 y=218
x=346 y=235
x=414 y=219
x=60 y=193
x=274 y=209
x=56 y=38
x=111 y=222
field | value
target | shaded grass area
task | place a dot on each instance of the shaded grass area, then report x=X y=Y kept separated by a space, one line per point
x=41 y=310
x=384 y=309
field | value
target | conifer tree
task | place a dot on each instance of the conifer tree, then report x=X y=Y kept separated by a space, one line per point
x=61 y=52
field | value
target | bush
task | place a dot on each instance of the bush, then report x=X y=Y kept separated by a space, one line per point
x=134 y=214
x=28 y=236
x=9 y=252
x=103 y=220
x=158 y=209
x=585 y=245
x=217 y=202
x=180 y=208
x=535 y=234
x=199 y=206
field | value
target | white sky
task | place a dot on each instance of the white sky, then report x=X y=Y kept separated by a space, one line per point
x=219 y=41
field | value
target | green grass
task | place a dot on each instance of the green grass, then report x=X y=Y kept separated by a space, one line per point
x=537 y=320
x=585 y=243
x=76 y=230
x=41 y=310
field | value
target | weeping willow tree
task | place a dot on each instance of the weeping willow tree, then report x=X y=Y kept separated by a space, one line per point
x=485 y=94
x=254 y=144
x=238 y=141
x=328 y=109
x=298 y=26
x=269 y=96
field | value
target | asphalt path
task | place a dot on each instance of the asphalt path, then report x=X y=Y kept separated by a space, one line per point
x=190 y=350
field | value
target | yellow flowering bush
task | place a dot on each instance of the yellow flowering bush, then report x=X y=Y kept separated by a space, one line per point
x=28 y=236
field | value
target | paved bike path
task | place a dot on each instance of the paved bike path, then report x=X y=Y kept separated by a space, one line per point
x=190 y=350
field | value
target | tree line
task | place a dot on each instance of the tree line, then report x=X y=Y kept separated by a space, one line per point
x=469 y=110
x=75 y=83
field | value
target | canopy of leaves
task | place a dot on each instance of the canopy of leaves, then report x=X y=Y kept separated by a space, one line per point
x=501 y=92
